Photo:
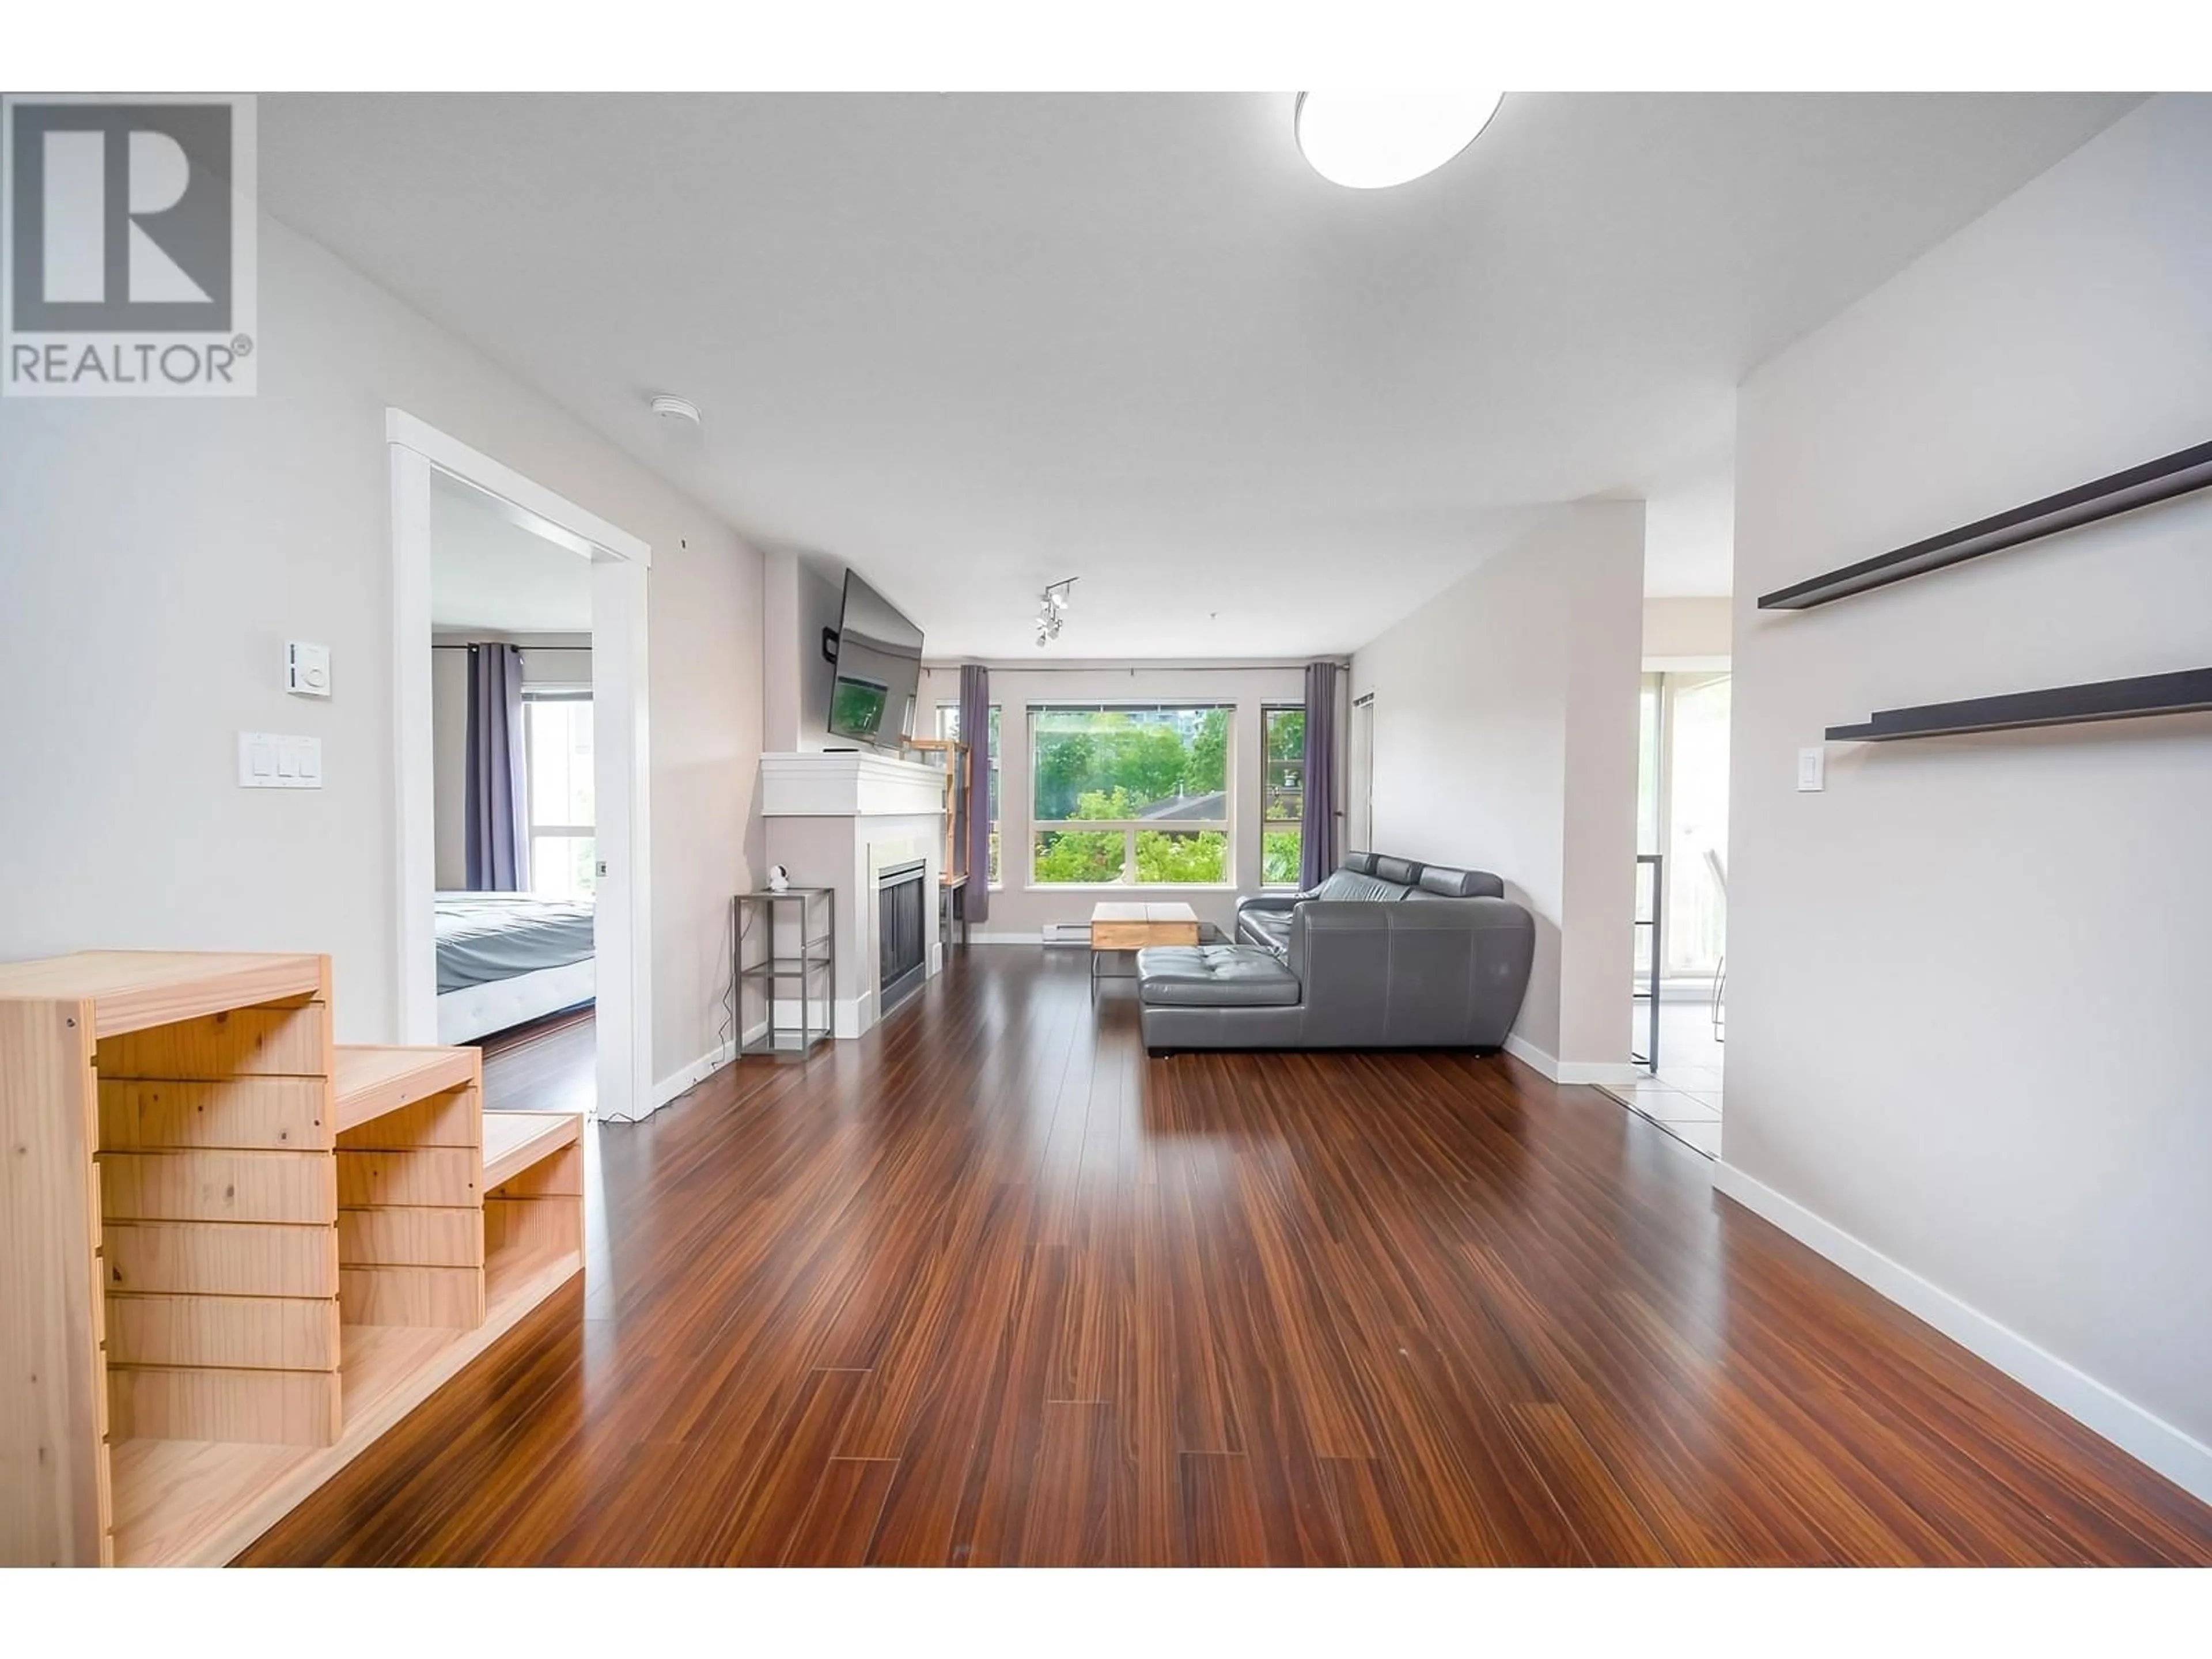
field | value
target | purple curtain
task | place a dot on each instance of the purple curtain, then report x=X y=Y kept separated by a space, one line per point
x=497 y=858
x=1317 y=849
x=975 y=732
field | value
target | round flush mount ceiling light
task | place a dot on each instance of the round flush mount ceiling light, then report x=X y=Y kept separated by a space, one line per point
x=1372 y=140
x=676 y=409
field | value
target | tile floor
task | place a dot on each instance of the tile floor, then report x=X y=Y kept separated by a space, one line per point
x=1684 y=1097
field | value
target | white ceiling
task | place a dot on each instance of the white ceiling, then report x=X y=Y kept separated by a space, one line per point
x=486 y=571
x=972 y=344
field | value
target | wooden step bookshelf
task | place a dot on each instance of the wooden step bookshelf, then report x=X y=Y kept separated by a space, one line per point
x=236 y=1254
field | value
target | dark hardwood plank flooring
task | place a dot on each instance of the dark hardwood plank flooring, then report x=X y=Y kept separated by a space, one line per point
x=991 y=1286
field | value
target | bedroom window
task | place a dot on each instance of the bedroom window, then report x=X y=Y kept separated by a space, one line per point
x=556 y=728
x=1136 y=795
x=948 y=727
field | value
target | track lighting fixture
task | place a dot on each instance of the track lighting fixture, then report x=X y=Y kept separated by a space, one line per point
x=1050 y=609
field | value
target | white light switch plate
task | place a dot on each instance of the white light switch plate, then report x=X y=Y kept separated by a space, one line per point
x=269 y=760
x=1811 y=770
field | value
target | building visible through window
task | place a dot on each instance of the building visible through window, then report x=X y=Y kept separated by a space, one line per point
x=1130 y=795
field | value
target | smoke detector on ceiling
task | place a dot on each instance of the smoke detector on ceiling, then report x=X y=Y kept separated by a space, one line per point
x=675 y=409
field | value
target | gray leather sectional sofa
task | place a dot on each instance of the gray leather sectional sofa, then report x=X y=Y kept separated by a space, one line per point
x=1386 y=953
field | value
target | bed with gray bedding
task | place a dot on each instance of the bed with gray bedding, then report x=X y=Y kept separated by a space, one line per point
x=487 y=936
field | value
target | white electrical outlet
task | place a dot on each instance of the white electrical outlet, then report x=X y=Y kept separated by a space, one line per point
x=269 y=760
x=1811 y=770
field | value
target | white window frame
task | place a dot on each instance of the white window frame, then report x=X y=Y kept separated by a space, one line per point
x=533 y=830
x=1225 y=826
x=945 y=733
x=1267 y=824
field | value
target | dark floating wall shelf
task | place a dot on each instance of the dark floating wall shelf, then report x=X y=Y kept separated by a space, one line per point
x=2139 y=486
x=2181 y=693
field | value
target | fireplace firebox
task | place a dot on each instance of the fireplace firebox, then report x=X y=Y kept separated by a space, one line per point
x=902 y=924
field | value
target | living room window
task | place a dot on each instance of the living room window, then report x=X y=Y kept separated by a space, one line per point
x=948 y=727
x=1136 y=795
x=1282 y=794
x=557 y=731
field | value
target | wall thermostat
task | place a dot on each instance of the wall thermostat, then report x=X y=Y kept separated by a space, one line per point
x=308 y=670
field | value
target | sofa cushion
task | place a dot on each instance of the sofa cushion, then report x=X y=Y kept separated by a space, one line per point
x=1270 y=929
x=1361 y=864
x=1403 y=872
x=1351 y=884
x=1439 y=881
x=1213 y=977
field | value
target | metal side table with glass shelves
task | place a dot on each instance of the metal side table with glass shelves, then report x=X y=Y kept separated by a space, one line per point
x=797 y=953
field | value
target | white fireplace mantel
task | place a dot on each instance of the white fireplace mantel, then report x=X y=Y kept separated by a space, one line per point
x=853 y=785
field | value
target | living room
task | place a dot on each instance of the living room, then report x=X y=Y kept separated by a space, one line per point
x=1114 y=669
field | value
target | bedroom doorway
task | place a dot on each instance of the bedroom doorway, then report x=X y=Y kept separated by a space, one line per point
x=524 y=919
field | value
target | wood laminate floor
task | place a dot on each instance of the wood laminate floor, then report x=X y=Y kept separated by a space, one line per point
x=990 y=1286
x=550 y=1065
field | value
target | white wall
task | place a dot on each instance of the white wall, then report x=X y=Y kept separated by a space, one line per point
x=1968 y=984
x=1689 y=530
x=1506 y=741
x=821 y=604
x=1019 y=910
x=1697 y=629
x=801 y=598
x=156 y=554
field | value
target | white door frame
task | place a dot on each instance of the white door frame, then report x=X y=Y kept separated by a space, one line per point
x=620 y=563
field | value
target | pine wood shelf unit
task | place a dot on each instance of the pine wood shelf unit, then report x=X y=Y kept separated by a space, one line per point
x=234 y=1253
x=2188 y=691
x=2177 y=474
x=954 y=864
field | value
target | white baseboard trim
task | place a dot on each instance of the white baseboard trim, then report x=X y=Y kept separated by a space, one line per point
x=2177 y=1455
x=697 y=1072
x=1599 y=1071
x=1570 y=1070
x=1521 y=1049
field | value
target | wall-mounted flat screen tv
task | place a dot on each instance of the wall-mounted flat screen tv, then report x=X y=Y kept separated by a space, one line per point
x=879 y=669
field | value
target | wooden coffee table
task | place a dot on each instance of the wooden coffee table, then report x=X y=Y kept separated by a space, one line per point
x=1123 y=927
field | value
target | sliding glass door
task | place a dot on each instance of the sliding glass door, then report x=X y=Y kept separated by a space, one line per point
x=1681 y=811
x=1696 y=822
